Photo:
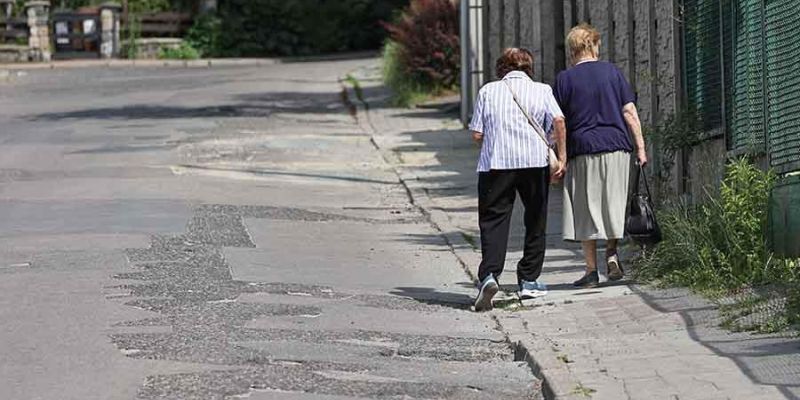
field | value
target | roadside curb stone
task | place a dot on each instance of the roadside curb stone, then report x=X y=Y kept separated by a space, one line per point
x=202 y=63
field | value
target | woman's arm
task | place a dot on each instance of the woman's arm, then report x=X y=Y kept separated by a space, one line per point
x=560 y=133
x=635 y=125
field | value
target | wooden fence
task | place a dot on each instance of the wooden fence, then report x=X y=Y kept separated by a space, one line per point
x=14 y=30
x=163 y=24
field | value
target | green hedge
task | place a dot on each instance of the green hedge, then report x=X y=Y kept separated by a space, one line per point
x=252 y=28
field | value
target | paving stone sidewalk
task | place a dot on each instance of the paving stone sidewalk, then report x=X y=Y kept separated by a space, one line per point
x=620 y=341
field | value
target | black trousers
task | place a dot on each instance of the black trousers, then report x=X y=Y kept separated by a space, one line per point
x=497 y=191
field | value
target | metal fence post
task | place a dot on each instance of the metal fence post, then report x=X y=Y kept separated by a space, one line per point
x=466 y=57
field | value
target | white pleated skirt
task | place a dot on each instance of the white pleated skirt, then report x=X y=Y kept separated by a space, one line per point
x=595 y=196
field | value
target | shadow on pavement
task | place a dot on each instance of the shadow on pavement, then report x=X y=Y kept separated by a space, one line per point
x=767 y=359
x=245 y=105
x=434 y=297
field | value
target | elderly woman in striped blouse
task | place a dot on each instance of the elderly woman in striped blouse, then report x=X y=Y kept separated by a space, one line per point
x=514 y=160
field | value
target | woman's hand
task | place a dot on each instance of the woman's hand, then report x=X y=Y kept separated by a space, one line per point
x=641 y=156
x=477 y=136
x=560 y=172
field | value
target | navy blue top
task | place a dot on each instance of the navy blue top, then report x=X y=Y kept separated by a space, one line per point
x=591 y=95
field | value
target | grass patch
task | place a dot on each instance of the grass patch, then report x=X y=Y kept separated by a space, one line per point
x=719 y=249
x=184 y=52
x=510 y=304
x=406 y=92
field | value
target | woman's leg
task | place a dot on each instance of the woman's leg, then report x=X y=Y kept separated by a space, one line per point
x=591 y=278
x=590 y=255
x=533 y=186
x=615 y=271
x=611 y=247
x=496 y=197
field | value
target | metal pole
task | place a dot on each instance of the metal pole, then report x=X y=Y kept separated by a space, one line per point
x=465 y=61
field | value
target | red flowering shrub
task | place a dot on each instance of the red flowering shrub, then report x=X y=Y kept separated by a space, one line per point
x=426 y=41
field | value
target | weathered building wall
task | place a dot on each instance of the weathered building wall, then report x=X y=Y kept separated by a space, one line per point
x=621 y=42
x=666 y=40
x=534 y=24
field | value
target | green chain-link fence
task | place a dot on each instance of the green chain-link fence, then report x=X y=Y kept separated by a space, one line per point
x=783 y=83
x=704 y=79
x=741 y=74
x=741 y=77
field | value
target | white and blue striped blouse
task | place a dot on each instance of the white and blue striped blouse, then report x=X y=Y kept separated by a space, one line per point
x=509 y=142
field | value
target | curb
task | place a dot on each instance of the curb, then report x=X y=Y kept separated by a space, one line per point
x=203 y=63
x=543 y=360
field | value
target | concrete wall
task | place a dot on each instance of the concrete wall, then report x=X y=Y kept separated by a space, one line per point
x=534 y=24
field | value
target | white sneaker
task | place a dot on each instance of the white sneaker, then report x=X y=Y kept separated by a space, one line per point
x=532 y=290
x=488 y=289
x=615 y=271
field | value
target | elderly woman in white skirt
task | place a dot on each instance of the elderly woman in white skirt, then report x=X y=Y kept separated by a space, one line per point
x=602 y=129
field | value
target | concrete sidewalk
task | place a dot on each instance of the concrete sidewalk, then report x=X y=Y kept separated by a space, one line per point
x=621 y=341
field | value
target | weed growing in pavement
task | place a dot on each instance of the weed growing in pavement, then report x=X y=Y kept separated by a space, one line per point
x=357 y=89
x=470 y=239
x=719 y=249
x=584 y=391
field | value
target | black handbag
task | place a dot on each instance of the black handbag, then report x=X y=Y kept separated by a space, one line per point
x=640 y=223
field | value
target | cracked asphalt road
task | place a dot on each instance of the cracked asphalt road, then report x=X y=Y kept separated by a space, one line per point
x=222 y=233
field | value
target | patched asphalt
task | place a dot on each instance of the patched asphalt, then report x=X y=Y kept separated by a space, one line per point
x=187 y=281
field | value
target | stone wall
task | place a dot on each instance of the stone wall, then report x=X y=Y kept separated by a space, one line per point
x=10 y=53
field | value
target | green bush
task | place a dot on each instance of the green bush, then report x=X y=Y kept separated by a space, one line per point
x=719 y=247
x=184 y=52
x=134 y=6
x=205 y=34
x=255 y=28
x=146 y=6
x=422 y=57
x=720 y=244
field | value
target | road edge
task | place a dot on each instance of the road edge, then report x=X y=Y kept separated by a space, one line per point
x=201 y=63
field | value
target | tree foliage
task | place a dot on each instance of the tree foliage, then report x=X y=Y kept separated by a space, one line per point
x=253 y=28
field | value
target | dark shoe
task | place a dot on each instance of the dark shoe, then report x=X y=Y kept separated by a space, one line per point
x=590 y=280
x=615 y=271
x=486 y=292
